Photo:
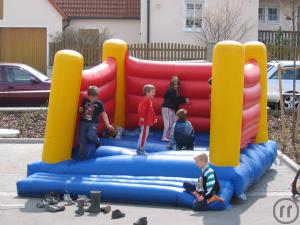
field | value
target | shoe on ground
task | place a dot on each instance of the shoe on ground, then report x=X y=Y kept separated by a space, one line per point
x=105 y=209
x=141 y=221
x=55 y=208
x=215 y=198
x=68 y=200
x=141 y=152
x=117 y=214
x=41 y=204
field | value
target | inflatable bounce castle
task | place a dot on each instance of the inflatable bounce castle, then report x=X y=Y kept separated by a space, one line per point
x=230 y=119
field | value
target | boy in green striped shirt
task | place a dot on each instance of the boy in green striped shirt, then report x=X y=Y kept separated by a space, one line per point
x=207 y=187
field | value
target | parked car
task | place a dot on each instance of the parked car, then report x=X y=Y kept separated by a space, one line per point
x=287 y=84
x=22 y=85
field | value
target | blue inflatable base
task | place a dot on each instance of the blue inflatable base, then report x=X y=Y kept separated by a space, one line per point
x=157 y=178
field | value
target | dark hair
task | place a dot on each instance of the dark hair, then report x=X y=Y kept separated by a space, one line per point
x=147 y=88
x=181 y=114
x=174 y=79
x=92 y=91
x=209 y=81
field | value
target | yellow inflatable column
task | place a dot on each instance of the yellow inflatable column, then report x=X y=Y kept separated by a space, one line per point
x=226 y=103
x=63 y=106
x=257 y=50
x=117 y=50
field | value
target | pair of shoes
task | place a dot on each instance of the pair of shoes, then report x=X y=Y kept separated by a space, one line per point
x=117 y=214
x=105 y=209
x=141 y=221
x=165 y=139
x=55 y=208
x=215 y=198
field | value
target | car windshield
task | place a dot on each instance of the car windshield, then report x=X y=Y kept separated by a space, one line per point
x=38 y=74
x=269 y=67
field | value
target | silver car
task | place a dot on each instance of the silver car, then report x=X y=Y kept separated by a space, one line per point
x=287 y=84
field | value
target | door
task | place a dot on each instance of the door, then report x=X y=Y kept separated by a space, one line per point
x=24 y=45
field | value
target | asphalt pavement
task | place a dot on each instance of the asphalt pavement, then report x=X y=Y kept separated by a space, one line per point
x=256 y=209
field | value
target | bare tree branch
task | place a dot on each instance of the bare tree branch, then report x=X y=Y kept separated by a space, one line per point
x=223 y=23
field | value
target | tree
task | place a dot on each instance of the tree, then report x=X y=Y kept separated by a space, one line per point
x=226 y=22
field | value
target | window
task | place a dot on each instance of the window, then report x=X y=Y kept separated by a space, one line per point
x=273 y=14
x=287 y=75
x=261 y=14
x=17 y=75
x=193 y=14
x=268 y=14
x=1 y=9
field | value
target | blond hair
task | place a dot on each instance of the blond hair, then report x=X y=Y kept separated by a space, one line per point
x=181 y=114
x=201 y=157
x=147 y=88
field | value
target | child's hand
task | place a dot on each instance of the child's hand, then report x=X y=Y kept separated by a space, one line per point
x=80 y=109
x=142 y=119
x=187 y=100
x=155 y=121
x=110 y=127
x=200 y=198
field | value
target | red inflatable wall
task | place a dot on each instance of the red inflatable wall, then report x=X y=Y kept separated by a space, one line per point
x=104 y=77
x=251 y=107
x=194 y=85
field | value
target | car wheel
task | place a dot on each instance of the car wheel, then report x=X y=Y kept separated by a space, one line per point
x=288 y=102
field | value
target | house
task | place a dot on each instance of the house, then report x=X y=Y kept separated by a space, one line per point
x=179 y=21
x=26 y=26
x=275 y=15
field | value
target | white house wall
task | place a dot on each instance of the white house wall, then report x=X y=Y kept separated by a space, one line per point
x=31 y=13
x=125 y=29
x=167 y=20
x=285 y=9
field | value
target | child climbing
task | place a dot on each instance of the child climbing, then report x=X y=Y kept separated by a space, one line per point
x=182 y=132
x=207 y=187
x=90 y=110
x=146 y=117
x=171 y=103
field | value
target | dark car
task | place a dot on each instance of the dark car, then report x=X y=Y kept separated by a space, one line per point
x=21 y=85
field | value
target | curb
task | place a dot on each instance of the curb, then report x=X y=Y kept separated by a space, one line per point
x=23 y=109
x=290 y=163
x=22 y=140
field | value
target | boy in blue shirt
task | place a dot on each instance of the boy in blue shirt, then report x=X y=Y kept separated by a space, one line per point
x=182 y=133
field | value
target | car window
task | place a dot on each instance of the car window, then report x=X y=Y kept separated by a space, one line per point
x=17 y=75
x=287 y=74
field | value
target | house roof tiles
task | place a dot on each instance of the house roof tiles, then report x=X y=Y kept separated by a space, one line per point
x=114 y=9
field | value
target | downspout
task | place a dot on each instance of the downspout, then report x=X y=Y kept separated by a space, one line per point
x=66 y=23
x=148 y=21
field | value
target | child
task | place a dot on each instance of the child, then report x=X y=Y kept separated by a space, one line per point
x=90 y=110
x=182 y=132
x=207 y=188
x=171 y=103
x=146 y=117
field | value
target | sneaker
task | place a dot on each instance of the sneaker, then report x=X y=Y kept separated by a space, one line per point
x=141 y=152
x=215 y=198
x=68 y=200
x=41 y=204
x=105 y=209
x=117 y=214
x=55 y=208
x=165 y=139
x=141 y=221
